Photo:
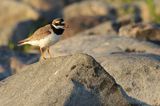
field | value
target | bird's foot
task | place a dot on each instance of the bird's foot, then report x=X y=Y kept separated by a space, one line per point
x=44 y=58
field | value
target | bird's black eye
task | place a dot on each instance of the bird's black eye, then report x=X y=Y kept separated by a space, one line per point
x=56 y=24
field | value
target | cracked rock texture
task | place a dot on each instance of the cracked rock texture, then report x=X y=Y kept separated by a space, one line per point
x=63 y=81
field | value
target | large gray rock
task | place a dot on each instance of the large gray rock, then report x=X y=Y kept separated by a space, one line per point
x=11 y=62
x=64 y=81
x=16 y=20
x=109 y=28
x=47 y=9
x=142 y=31
x=88 y=8
x=79 y=24
x=101 y=45
x=137 y=73
x=88 y=14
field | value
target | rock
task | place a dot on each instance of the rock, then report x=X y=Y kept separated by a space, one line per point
x=150 y=11
x=88 y=8
x=11 y=62
x=131 y=10
x=109 y=28
x=47 y=9
x=141 y=31
x=69 y=81
x=5 y=55
x=68 y=2
x=157 y=8
x=145 y=12
x=137 y=73
x=16 y=64
x=126 y=20
x=4 y=72
x=97 y=45
x=79 y=24
x=20 y=60
x=83 y=20
x=14 y=13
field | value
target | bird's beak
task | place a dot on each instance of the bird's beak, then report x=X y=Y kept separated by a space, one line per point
x=66 y=26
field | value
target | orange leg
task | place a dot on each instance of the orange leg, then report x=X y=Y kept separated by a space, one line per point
x=42 y=53
x=49 y=52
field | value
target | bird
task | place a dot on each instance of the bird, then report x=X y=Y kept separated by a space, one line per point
x=46 y=36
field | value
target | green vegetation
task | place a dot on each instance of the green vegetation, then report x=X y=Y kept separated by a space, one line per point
x=152 y=10
x=127 y=1
x=11 y=45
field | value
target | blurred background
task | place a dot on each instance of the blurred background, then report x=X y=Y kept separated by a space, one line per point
x=20 y=18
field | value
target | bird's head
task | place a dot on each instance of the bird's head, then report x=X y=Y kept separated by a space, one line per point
x=59 y=23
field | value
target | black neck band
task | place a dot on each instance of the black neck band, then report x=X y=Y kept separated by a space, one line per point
x=57 y=31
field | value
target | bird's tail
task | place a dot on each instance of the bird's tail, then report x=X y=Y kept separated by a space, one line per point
x=22 y=42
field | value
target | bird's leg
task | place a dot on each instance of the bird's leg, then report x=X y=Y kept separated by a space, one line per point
x=41 y=50
x=49 y=52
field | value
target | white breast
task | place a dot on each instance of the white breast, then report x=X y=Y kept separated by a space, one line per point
x=47 y=41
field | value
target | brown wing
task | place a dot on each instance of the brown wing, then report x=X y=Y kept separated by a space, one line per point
x=40 y=33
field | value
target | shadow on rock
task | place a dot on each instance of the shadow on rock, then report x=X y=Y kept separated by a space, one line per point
x=80 y=96
x=133 y=101
x=24 y=29
x=12 y=61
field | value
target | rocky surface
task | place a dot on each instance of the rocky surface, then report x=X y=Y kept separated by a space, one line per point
x=46 y=8
x=148 y=10
x=145 y=12
x=88 y=8
x=141 y=31
x=97 y=45
x=69 y=81
x=157 y=8
x=109 y=28
x=131 y=10
x=79 y=24
x=11 y=62
x=137 y=73
x=18 y=18
x=128 y=60
x=114 y=32
x=89 y=15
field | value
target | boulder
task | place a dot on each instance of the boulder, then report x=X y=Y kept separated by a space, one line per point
x=142 y=31
x=150 y=11
x=88 y=8
x=48 y=9
x=157 y=8
x=64 y=81
x=11 y=61
x=130 y=9
x=110 y=28
x=89 y=15
x=145 y=12
x=137 y=73
x=126 y=20
x=96 y=45
x=68 y=2
x=18 y=19
x=79 y=24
